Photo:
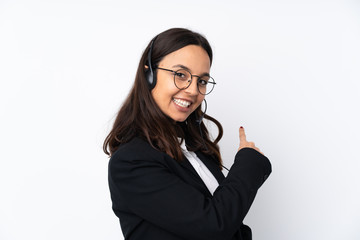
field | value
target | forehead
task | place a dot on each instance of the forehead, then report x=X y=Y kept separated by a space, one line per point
x=192 y=56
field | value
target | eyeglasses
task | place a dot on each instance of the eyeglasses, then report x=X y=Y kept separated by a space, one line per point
x=183 y=79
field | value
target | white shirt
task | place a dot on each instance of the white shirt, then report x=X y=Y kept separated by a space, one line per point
x=204 y=173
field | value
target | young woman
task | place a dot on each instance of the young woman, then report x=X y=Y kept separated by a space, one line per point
x=165 y=173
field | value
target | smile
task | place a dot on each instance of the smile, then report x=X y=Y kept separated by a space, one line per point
x=181 y=103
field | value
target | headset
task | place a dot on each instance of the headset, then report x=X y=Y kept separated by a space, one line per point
x=202 y=116
x=150 y=76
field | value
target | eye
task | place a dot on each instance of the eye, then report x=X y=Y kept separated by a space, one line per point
x=202 y=82
x=180 y=75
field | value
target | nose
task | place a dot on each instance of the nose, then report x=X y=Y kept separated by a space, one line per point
x=192 y=89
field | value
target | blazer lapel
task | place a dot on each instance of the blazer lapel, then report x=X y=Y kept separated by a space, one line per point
x=209 y=163
x=185 y=163
x=199 y=183
x=212 y=166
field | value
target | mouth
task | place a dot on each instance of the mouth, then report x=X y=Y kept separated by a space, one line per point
x=181 y=102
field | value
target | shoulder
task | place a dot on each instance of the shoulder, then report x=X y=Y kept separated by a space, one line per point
x=136 y=158
x=136 y=149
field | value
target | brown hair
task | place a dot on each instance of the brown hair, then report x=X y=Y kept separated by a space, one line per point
x=140 y=116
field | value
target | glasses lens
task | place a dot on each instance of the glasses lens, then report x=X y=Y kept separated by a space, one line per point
x=182 y=79
x=206 y=85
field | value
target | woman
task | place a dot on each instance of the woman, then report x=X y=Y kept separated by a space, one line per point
x=165 y=173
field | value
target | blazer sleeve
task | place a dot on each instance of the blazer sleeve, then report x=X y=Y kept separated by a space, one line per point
x=153 y=192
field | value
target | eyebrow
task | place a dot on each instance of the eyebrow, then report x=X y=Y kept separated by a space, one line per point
x=188 y=69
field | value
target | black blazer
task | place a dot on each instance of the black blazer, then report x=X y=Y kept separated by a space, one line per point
x=157 y=197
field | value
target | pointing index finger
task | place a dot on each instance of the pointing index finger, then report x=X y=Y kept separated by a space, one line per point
x=242 y=135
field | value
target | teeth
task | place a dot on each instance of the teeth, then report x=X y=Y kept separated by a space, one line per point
x=182 y=103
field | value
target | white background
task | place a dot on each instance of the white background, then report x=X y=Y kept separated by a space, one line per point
x=288 y=71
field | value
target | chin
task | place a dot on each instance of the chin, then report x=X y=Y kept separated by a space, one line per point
x=178 y=118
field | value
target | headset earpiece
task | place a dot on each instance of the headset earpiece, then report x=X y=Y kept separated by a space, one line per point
x=150 y=76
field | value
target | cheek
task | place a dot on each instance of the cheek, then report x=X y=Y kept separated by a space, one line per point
x=164 y=88
x=201 y=98
x=199 y=101
x=163 y=93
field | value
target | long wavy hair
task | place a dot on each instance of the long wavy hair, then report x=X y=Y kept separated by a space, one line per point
x=139 y=116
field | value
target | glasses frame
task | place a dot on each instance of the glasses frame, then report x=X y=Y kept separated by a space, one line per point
x=210 y=78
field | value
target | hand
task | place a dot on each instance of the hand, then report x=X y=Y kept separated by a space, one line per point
x=244 y=143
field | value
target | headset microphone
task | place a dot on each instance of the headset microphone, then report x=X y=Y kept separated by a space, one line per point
x=203 y=115
x=202 y=137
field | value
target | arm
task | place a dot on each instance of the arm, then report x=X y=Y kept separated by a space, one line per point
x=154 y=193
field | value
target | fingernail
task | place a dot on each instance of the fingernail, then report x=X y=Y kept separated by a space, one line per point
x=241 y=127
